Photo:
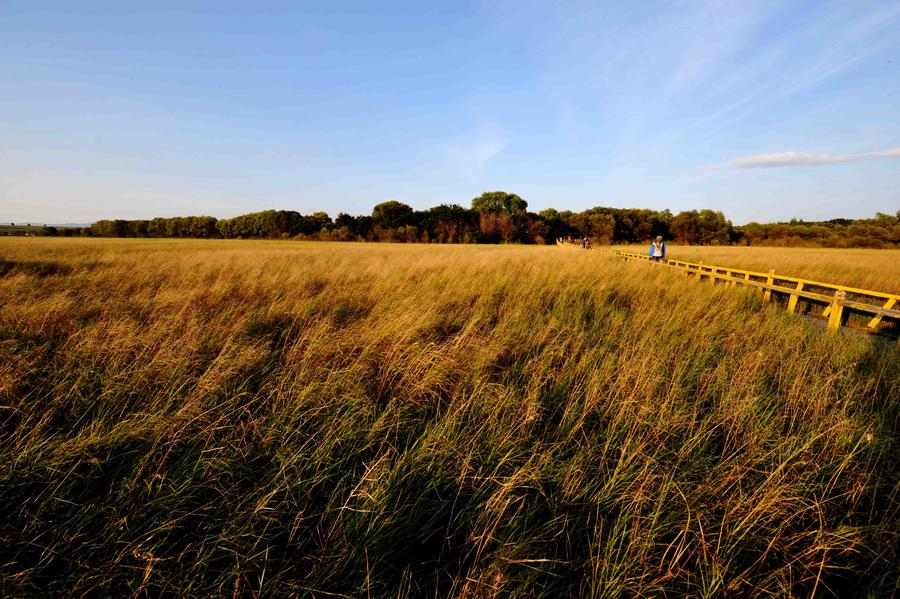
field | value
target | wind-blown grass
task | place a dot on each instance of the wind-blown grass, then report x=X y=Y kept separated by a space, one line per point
x=204 y=418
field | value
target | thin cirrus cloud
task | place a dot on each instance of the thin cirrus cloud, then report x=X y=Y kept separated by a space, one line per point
x=470 y=161
x=787 y=159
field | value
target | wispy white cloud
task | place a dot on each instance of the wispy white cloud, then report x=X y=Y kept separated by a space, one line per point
x=714 y=66
x=784 y=159
x=472 y=159
x=823 y=48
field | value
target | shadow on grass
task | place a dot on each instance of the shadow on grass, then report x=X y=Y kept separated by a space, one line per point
x=37 y=269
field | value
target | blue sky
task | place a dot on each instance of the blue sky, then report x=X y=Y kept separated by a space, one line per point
x=764 y=110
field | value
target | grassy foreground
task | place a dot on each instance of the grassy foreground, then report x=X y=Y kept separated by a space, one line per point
x=257 y=418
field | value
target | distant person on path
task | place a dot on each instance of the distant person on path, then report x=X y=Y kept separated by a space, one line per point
x=658 y=249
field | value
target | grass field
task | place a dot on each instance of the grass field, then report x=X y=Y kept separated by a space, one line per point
x=271 y=418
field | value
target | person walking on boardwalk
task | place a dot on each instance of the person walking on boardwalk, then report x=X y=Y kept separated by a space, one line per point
x=658 y=249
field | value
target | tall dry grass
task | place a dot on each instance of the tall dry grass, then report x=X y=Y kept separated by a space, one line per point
x=257 y=418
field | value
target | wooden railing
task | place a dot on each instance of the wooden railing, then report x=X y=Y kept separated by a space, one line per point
x=838 y=302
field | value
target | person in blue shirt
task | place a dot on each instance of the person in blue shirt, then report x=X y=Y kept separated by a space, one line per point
x=658 y=249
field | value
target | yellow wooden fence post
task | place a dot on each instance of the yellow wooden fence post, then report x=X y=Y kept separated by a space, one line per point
x=792 y=303
x=888 y=304
x=837 y=310
x=770 y=281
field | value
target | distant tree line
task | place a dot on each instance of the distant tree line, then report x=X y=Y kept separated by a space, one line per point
x=883 y=231
x=501 y=217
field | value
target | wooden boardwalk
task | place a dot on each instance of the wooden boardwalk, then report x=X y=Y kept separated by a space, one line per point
x=838 y=301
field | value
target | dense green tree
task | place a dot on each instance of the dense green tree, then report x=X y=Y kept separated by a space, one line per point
x=685 y=227
x=557 y=223
x=357 y=225
x=448 y=223
x=601 y=227
x=344 y=220
x=659 y=224
x=109 y=228
x=391 y=214
x=394 y=221
x=312 y=224
x=499 y=202
x=267 y=224
x=713 y=227
x=137 y=228
x=537 y=230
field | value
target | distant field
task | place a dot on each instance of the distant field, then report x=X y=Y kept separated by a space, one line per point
x=19 y=229
x=275 y=418
x=877 y=270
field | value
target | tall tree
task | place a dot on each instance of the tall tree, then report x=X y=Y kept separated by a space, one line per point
x=499 y=202
x=685 y=227
x=391 y=214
